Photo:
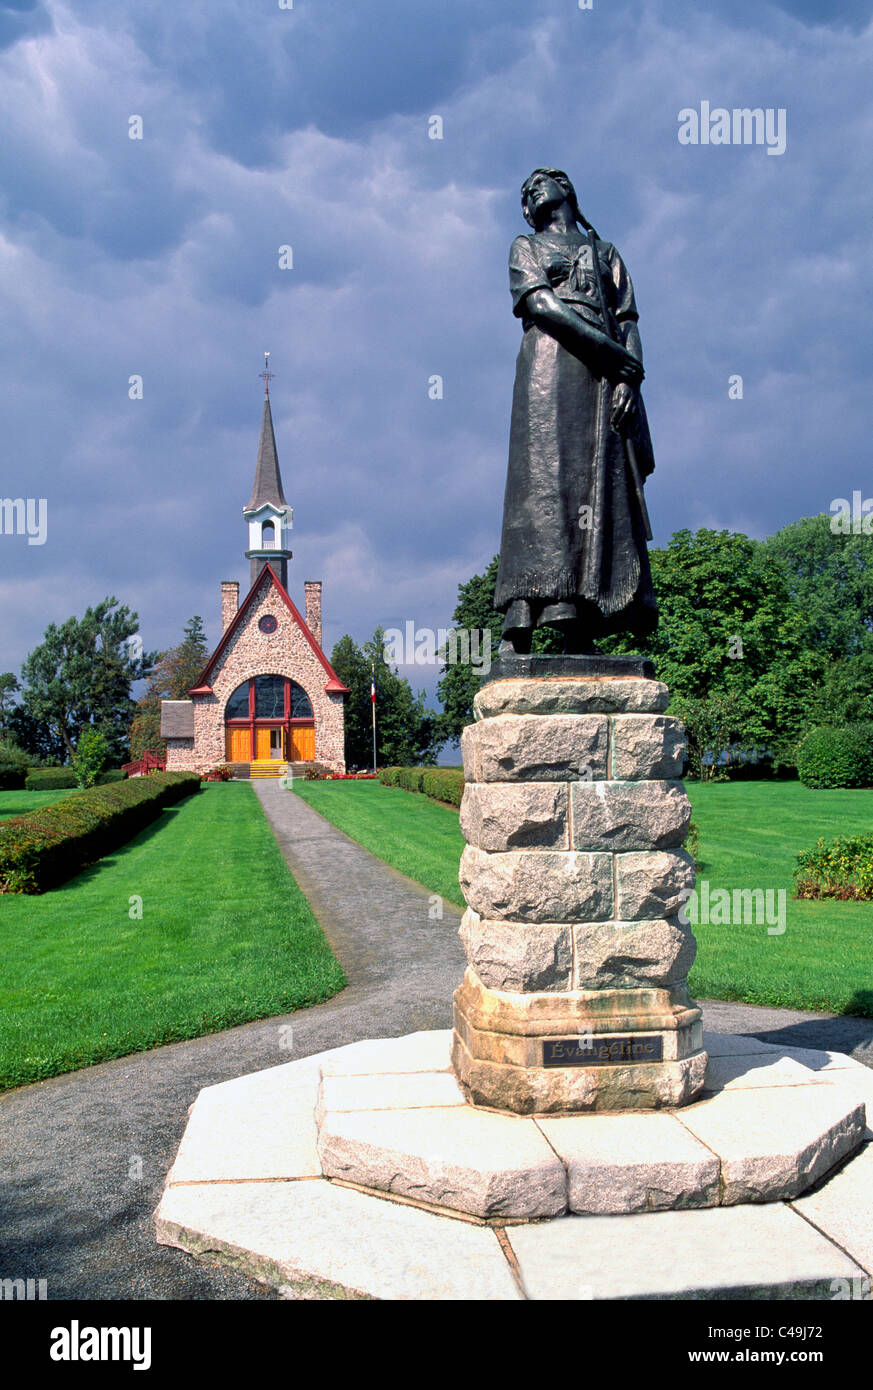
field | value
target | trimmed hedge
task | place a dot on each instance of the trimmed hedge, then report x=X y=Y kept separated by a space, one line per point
x=45 y=847
x=440 y=783
x=837 y=757
x=842 y=869
x=53 y=779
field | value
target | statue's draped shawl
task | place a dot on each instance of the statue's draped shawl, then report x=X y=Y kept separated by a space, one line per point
x=563 y=455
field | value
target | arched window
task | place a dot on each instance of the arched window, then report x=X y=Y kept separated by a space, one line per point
x=270 y=700
x=237 y=706
x=268 y=536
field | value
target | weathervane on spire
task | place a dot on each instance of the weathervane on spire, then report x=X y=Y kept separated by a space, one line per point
x=266 y=374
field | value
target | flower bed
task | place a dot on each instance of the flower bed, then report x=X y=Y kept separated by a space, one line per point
x=842 y=869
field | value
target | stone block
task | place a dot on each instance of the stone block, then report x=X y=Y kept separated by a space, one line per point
x=518 y=816
x=518 y=956
x=647 y=745
x=317 y=1239
x=714 y=1253
x=842 y=1209
x=652 y=884
x=539 y=748
x=466 y=1160
x=425 y=1051
x=629 y=815
x=569 y=695
x=630 y=954
x=775 y=1142
x=539 y=885
x=633 y=1162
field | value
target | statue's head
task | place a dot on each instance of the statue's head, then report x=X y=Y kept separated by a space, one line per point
x=537 y=194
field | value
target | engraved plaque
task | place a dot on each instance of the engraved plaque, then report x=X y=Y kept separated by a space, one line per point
x=592 y=1051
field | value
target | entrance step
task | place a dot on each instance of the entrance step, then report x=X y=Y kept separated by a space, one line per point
x=268 y=767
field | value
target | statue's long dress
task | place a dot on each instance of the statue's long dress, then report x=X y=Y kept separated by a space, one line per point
x=564 y=457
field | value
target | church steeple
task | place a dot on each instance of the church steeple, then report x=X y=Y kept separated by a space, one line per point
x=267 y=513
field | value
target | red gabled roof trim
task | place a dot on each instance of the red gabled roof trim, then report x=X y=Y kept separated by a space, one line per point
x=334 y=684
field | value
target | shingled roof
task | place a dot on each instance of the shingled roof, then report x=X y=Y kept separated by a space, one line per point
x=268 y=480
x=177 y=719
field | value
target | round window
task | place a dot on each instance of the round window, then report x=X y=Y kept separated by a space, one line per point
x=268 y=623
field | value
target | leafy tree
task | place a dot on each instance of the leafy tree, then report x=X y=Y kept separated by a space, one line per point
x=81 y=675
x=8 y=687
x=90 y=757
x=830 y=578
x=729 y=624
x=405 y=728
x=39 y=741
x=174 y=674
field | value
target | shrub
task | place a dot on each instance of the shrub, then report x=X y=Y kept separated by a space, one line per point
x=841 y=869
x=14 y=766
x=837 y=757
x=112 y=774
x=440 y=783
x=410 y=778
x=443 y=784
x=90 y=757
x=388 y=776
x=50 y=779
x=45 y=847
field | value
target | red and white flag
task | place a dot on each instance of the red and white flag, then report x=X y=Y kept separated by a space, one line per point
x=373 y=689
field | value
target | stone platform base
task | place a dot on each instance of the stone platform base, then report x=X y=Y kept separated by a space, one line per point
x=363 y=1172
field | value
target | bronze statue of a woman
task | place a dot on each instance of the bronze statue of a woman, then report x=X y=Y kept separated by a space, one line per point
x=573 y=551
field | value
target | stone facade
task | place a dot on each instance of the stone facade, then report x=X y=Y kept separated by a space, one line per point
x=245 y=652
x=312 y=590
x=575 y=876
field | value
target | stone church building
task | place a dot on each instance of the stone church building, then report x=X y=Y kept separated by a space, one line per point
x=268 y=696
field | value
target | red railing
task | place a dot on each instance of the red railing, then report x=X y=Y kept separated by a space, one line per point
x=150 y=762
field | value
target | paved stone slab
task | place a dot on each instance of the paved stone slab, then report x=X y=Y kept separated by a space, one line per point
x=430 y=1051
x=630 y=1163
x=463 y=1159
x=737 y=1045
x=393 y=1091
x=276 y=1105
x=715 y=1253
x=842 y=1209
x=319 y=1234
x=776 y=1141
x=751 y=1071
x=858 y=1086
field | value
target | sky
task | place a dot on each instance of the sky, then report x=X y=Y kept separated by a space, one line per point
x=308 y=124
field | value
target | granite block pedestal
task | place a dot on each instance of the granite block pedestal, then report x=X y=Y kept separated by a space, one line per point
x=575 y=997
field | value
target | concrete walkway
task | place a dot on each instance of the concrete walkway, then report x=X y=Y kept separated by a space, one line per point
x=76 y=1205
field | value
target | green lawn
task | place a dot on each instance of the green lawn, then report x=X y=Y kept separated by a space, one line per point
x=749 y=836
x=16 y=803
x=226 y=936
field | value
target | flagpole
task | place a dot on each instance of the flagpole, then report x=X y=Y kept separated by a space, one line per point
x=373 y=704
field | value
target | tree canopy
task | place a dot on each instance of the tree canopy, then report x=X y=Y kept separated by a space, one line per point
x=81 y=675
x=405 y=728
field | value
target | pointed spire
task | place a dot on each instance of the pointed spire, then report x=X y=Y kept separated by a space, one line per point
x=268 y=480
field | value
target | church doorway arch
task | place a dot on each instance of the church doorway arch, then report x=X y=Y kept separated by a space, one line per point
x=269 y=718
